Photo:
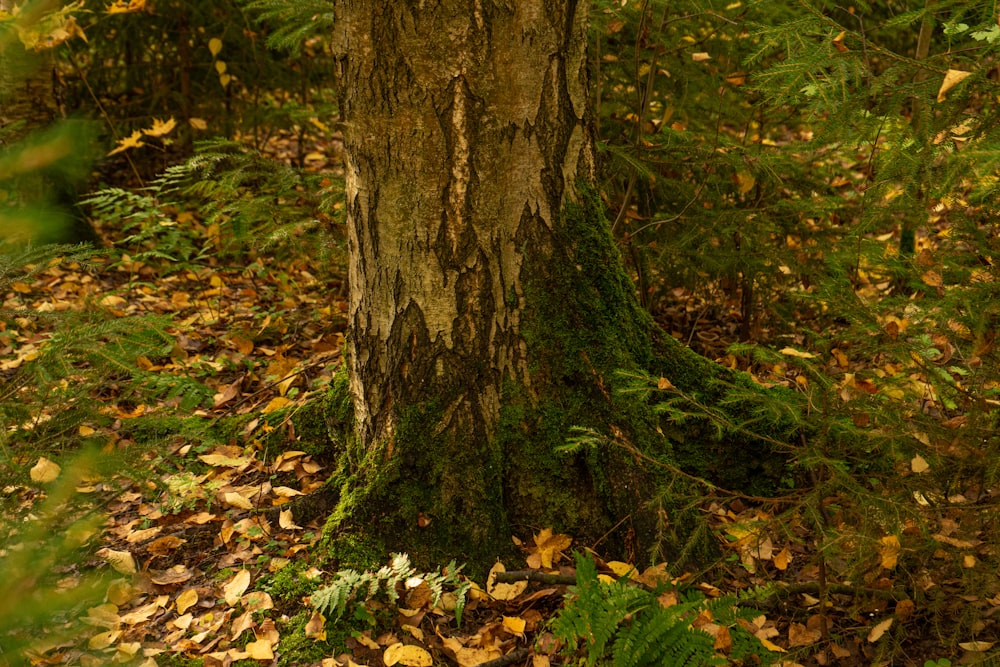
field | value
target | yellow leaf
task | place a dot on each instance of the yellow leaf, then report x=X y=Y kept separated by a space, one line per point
x=547 y=547
x=411 y=656
x=120 y=561
x=132 y=141
x=968 y=561
x=214 y=46
x=745 y=182
x=260 y=650
x=236 y=586
x=503 y=591
x=316 y=627
x=888 y=550
x=276 y=403
x=792 y=352
x=782 y=558
x=770 y=646
x=514 y=624
x=186 y=600
x=225 y=79
x=700 y=57
x=286 y=521
x=879 y=630
x=103 y=640
x=220 y=67
x=198 y=123
x=44 y=471
x=234 y=499
x=951 y=79
x=918 y=464
x=160 y=127
x=86 y=431
x=622 y=569
x=224 y=461
x=932 y=278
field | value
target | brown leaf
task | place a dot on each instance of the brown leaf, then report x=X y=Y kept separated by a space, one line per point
x=800 y=635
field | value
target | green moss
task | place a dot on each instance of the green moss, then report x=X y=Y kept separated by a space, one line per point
x=289 y=584
x=297 y=649
x=440 y=493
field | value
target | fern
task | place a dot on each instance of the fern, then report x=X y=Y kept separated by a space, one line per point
x=352 y=586
x=629 y=625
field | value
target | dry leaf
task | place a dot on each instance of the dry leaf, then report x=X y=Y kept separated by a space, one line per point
x=879 y=630
x=888 y=550
x=44 y=471
x=411 y=656
x=951 y=79
x=316 y=627
x=976 y=646
x=514 y=624
x=241 y=624
x=121 y=561
x=782 y=558
x=918 y=464
x=792 y=352
x=260 y=650
x=236 y=586
x=286 y=521
x=234 y=499
x=186 y=600
x=800 y=635
x=503 y=591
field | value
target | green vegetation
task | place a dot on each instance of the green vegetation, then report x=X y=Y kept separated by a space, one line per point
x=802 y=193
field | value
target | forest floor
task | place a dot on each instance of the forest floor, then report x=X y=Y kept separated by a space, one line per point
x=207 y=563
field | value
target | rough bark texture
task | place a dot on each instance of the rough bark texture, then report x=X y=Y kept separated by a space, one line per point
x=489 y=309
x=465 y=126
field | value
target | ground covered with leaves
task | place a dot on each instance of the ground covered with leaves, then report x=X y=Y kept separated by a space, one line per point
x=208 y=557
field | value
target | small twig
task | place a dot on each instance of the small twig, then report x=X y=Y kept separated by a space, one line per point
x=509 y=659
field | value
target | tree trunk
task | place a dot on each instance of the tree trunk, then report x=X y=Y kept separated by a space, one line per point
x=489 y=309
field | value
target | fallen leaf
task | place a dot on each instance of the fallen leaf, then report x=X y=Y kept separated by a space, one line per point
x=238 y=501
x=121 y=561
x=888 y=550
x=316 y=627
x=503 y=591
x=234 y=589
x=918 y=464
x=186 y=600
x=880 y=629
x=260 y=650
x=286 y=521
x=44 y=471
x=782 y=558
x=800 y=635
x=976 y=646
x=514 y=624
x=411 y=656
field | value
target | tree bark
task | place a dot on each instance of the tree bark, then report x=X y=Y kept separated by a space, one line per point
x=489 y=308
x=466 y=126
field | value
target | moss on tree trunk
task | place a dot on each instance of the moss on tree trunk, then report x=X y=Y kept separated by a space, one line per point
x=448 y=497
